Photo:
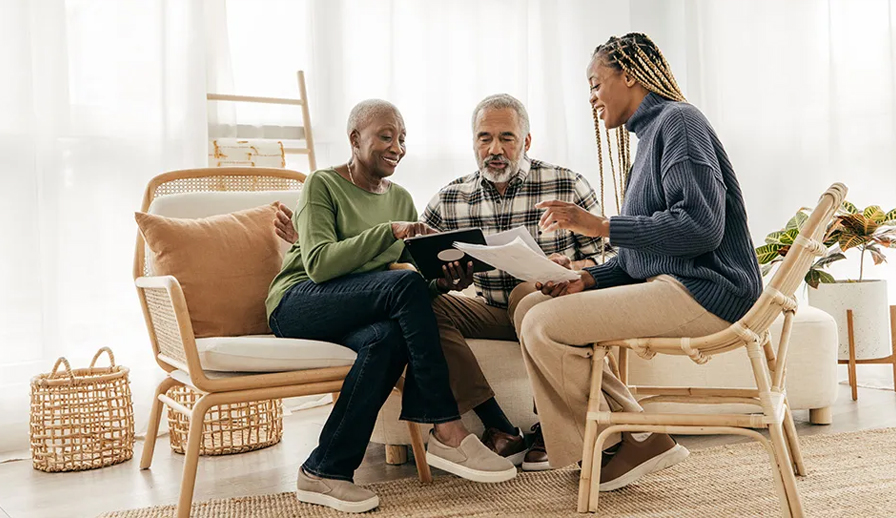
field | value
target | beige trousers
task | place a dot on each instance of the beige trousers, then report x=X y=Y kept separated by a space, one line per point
x=555 y=334
x=460 y=317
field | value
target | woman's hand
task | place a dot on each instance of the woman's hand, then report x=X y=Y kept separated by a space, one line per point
x=407 y=229
x=283 y=224
x=584 y=282
x=455 y=278
x=569 y=216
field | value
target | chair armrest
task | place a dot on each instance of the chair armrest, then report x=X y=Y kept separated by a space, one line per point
x=168 y=322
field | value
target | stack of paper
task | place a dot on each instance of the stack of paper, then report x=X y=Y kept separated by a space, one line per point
x=519 y=259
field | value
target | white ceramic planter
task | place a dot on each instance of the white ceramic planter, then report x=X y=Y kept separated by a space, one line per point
x=871 y=315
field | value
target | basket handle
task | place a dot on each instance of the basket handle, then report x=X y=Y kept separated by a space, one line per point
x=68 y=368
x=97 y=357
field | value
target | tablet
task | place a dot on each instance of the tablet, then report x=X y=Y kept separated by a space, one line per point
x=432 y=251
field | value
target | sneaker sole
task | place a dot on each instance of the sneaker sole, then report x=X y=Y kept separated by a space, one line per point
x=487 y=477
x=536 y=466
x=665 y=460
x=310 y=497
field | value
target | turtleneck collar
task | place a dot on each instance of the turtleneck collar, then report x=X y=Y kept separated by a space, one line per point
x=647 y=111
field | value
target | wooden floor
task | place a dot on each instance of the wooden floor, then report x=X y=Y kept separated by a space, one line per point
x=26 y=493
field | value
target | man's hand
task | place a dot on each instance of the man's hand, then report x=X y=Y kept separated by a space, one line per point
x=562 y=260
x=283 y=224
x=455 y=278
x=569 y=216
x=584 y=282
x=407 y=229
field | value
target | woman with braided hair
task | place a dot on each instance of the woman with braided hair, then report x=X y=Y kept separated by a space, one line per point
x=685 y=264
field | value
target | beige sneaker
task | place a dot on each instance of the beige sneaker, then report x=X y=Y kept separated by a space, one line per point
x=339 y=494
x=471 y=460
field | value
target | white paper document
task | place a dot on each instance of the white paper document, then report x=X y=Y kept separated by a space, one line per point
x=503 y=238
x=519 y=260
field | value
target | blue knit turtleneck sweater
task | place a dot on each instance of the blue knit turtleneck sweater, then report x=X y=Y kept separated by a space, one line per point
x=683 y=213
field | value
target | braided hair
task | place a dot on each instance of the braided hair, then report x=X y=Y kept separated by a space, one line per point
x=638 y=56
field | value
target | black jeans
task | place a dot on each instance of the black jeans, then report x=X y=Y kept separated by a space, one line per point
x=386 y=317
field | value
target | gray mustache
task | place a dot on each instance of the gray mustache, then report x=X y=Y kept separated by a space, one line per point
x=496 y=158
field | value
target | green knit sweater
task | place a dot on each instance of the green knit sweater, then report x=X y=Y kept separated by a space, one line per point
x=342 y=229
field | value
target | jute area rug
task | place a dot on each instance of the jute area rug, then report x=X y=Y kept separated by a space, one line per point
x=850 y=475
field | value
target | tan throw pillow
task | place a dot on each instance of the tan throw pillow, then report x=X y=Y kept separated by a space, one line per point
x=223 y=263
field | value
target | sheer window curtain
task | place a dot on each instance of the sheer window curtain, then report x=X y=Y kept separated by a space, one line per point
x=97 y=98
x=103 y=95
x=802 y=93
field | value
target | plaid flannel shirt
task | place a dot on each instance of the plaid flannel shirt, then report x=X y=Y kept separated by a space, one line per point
x=472 y=201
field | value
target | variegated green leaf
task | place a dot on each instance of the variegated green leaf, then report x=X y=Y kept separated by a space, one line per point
x=849 y=208
x=874 y=213
x=796 y=221
x=828 y=259
x=774 y=238
x=826 y=278
x=788 y=236
x=890 y=218
x=767 y=253
x=850 y=240
x=815 y=277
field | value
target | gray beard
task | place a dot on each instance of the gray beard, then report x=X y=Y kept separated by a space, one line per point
x=502 y=177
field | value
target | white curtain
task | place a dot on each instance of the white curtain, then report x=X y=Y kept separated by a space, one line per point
x=99 y=96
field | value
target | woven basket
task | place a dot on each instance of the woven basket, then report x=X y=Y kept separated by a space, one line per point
x=82 y=418
x=227 y=429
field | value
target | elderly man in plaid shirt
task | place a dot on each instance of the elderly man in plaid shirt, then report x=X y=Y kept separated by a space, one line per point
x=499 y=196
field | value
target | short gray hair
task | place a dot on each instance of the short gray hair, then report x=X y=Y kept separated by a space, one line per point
x=500 y=102
x=365 y=111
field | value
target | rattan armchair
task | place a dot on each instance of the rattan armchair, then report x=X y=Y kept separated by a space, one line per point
x=769 y=367
x=174 y=345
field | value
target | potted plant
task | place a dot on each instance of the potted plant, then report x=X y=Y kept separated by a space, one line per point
x=869 y=232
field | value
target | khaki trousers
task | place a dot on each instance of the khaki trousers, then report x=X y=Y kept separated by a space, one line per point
x=460 y=317
x=555 y=335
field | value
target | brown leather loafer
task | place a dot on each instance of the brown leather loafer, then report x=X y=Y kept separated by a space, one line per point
x=511 y=447
x=537 y=457
x=638 y=458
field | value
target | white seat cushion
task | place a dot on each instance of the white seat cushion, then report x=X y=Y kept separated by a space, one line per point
x=267 y=353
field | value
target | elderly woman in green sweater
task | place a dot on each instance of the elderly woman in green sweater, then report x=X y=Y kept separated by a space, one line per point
x=685 y=263
x=336 y=285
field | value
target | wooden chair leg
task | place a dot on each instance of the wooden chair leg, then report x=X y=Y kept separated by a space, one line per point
x=152 y=429
x=595 y=470
x=419 y=450
x=793 y=442
x=792 y=498
x=586 y=485
x=396 y=454
x=777 y=478
x=191 y=457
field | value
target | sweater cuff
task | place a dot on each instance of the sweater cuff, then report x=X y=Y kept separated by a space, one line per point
x=624 y=231
x=608 y=275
